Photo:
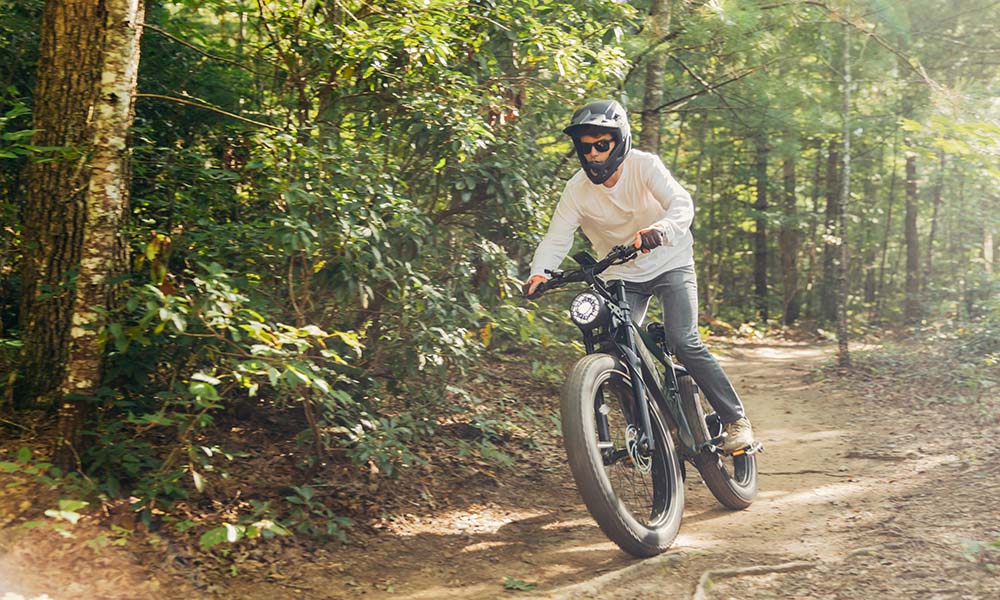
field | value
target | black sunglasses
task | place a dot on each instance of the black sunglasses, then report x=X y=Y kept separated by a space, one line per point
x=600 y=145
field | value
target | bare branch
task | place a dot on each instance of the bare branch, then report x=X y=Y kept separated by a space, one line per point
x=709 y=88
x=208 y=108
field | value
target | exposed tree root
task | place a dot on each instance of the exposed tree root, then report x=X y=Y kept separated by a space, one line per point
x=706 y=577
x=806 y=472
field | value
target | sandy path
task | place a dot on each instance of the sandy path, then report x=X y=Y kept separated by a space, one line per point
x=861 y=500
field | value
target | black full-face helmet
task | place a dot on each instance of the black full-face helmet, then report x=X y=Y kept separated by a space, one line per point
x=603 y=116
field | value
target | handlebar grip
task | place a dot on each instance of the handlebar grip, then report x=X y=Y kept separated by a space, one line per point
x=539 y=290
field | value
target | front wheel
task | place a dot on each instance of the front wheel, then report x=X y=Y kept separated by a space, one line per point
x=636 y=497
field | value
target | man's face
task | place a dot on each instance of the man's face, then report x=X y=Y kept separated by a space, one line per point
x=592 y=145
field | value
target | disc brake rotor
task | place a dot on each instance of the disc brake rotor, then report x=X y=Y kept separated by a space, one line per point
x=642 y=462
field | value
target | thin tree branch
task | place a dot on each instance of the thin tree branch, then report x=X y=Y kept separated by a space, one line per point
x=637 y=60
x=208 y=108
x=706 y=85
x=174 y=38
x=707 y=89
x=860 y=26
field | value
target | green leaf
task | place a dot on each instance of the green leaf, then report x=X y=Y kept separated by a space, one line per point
x=511 y=583
x=72 y=505
x=203 y=390
x=233 y=533
x=23 y=455
x=295 y=376
x=213 y=537
x=322 y=385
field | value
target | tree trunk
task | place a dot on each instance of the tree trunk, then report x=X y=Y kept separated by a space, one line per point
x=880 y=290
x=106 y=206
x=714 y=234
x=828 y=285
x=760 y=231
x=936 y=194
x=789 y=246
x=810 y=286
x=869 y=242
x=89 y=67
x=911 y=302
x=843 y=356
x=69 y=67
x=656 y=65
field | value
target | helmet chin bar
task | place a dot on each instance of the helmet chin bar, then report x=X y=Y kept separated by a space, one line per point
x=599 y=172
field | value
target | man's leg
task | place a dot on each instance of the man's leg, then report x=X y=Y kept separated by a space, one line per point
x=677 y=291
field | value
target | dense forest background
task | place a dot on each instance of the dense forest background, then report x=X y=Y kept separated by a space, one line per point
x=322 y=210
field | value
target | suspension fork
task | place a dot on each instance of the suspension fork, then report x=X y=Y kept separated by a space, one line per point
x=633 y=362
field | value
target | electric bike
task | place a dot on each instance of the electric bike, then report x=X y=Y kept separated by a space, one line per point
x=632 y=417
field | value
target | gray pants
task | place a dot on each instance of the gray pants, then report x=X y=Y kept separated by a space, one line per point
x=677 y=291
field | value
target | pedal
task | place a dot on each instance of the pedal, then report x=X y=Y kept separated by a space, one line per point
x=752 y=449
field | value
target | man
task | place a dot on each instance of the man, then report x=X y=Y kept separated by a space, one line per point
x=623 y=196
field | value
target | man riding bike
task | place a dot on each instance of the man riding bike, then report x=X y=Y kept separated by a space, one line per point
x=621 y=196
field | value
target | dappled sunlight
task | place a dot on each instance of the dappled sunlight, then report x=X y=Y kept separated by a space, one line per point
x=569 y=524
x=481 y=546
x=605 y=547
x=471 y=520
x=792 y=436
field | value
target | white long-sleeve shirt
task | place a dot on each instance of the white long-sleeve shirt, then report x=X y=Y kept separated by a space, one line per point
x=645 y=195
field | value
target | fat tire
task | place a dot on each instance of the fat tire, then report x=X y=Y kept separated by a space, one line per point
x=694 y=412
x=580 y=438
x=731 y=493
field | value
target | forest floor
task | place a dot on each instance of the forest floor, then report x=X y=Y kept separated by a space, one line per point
x=878 y=483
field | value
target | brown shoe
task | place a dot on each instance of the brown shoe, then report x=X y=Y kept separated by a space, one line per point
x=739 y=435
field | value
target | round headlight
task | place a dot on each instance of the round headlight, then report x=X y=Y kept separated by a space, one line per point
x=588 y=310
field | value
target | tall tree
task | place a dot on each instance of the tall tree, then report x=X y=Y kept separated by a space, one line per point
x=911 y=302
x=68 y=70
x=843 y=291
x=789 y=245
x=760 y=229
x=828 y=292
x=89 y=66
x=936 y=209
x=652 y=116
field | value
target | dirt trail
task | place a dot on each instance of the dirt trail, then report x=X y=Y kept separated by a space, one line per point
x=860 y=498
x=857 y=499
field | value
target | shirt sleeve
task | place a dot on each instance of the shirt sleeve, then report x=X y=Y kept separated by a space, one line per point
x=558 y=240
x=673 y=198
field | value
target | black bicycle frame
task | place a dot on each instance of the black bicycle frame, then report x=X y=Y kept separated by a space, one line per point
x=623 y=338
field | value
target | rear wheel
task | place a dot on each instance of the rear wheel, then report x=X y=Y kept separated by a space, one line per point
x=731 y=479
x=636 y=497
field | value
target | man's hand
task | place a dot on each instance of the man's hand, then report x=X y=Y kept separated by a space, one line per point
x=529 y=287
x=647 y=239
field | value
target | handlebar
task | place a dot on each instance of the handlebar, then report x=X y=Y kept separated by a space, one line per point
x=587 y=272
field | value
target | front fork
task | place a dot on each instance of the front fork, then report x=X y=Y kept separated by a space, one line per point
x=633 y=364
